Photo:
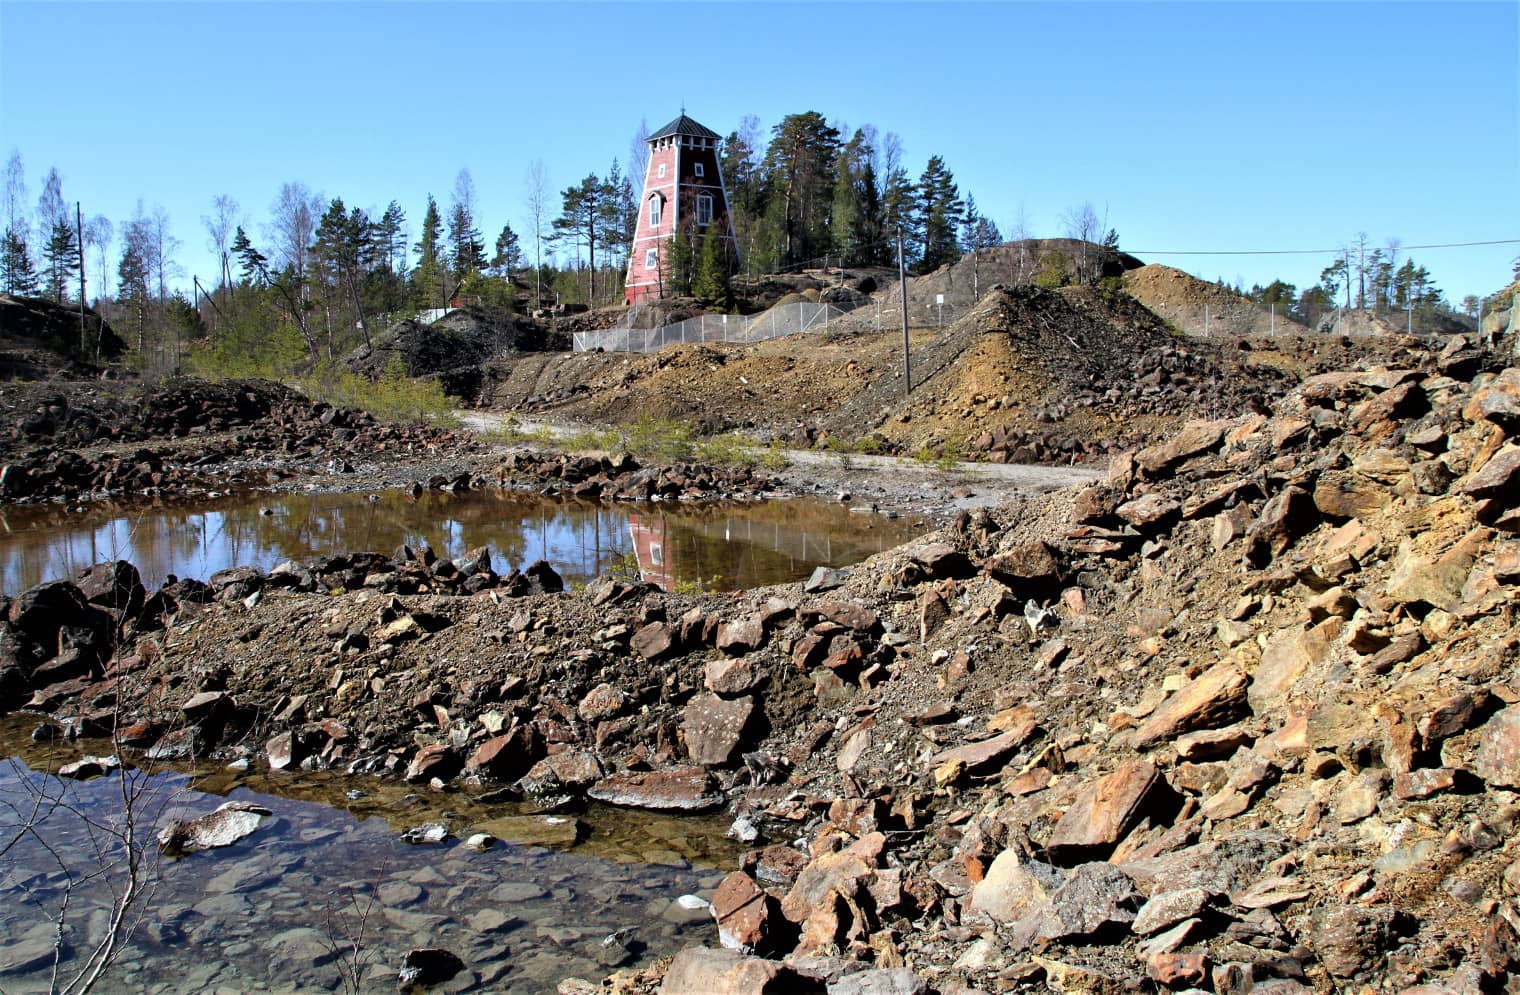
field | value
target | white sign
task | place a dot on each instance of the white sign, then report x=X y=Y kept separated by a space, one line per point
x=939 y=299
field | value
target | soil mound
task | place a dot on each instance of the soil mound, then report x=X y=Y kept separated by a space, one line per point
x=1054 y=374
x=1191 y=304
x=451 y=349
x=1011 y=264
x=40 y=338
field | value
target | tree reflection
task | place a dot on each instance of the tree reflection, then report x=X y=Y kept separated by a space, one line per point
x=715 y=544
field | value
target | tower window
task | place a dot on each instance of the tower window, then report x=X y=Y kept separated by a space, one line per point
x=704 y=209
x=654 y=210
x=651 y=259
x=697 y=166
x=662 y=170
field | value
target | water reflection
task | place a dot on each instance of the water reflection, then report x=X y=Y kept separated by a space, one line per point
x=280 y=908
x=720 y=546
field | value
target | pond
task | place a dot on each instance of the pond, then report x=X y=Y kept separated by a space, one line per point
x=714 y=546
x=324 y=895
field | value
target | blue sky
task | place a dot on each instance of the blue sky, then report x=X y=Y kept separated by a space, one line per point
x=1195 y=126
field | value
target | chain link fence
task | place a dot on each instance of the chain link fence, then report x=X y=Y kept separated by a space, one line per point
x=787 y=319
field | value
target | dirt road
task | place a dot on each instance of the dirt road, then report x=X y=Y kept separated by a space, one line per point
x=886 y=483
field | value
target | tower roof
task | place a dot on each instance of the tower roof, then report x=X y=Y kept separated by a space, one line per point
x=684 y=125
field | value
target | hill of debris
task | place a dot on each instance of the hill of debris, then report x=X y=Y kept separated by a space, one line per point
x=454 y=348
x=1192 y=305
x=41 y=338
x=1242 y=716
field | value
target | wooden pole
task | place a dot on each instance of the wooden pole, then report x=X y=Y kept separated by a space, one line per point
x=902 y=288
x=79 y=235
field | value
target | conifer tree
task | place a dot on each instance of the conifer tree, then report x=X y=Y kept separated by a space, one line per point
x=710 y=281
x=16 y=274
x=940 y=211
x=62 y=259
x=427 y=278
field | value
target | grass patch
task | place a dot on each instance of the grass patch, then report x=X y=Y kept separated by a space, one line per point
x=394 y=397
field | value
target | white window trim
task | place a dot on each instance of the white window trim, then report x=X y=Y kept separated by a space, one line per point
x=704 y=200
x=651 y=258
x=656 y=209
x=697 y=168
x=662 y=170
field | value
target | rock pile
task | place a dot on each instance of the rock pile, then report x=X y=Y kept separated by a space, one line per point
x=262 y=431
x=1240 y=717
x=622 y=478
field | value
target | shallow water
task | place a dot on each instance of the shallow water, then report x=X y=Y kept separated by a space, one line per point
x=716 y=546
x=324 y=896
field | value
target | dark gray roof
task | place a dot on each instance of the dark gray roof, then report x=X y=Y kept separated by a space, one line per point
x=684 y=125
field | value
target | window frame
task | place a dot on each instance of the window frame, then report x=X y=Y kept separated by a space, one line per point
x=656 y=210
x=651 y=259
x=704 y=200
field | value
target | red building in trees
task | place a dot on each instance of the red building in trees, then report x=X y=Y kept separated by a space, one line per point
x=683 y=201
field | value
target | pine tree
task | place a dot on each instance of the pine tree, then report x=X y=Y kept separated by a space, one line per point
x=427 y=278
x=509 y=254
x=467 y=252
x=939 y=211
x=254 y=263
x=16 y=274
x=679 y=262
x=391 y=238
x=62 y=260
x=799 y=170
x=710 y=281
x=132 y=290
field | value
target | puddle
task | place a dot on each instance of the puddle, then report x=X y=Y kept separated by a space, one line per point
x=715 y=546
x=324 y=895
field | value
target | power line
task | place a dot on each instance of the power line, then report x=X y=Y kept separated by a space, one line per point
x=1302 y=252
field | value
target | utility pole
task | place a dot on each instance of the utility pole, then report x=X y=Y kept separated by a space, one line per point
x=79 y=236
x=902 y=289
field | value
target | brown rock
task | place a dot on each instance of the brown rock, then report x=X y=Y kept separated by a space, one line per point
x=1030 y=570
x=1178 y=970
x=705 y=971
x=1196 y=437
x=1288 y=657
x=1105 y=812
x=940 y=560
x=437 y=760
x=749 y=919
x=1286 y=516
x=1498 y=759
x=654 y=641
x=730 y=676
x=601 y=702
x=1499 y=477
x=509 y=756
x=1215 y=697
x=741 y=637
x=673 y=789
x=861 y=620
x=1013 y=887
x=988 y=754
x=1148 y=510
x=843 y=871
x=1424 y=782
x=714 y=729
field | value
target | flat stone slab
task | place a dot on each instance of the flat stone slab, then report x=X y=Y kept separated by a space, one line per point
x=675 y=789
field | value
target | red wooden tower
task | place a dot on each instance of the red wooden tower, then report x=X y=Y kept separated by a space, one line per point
x=683 y=191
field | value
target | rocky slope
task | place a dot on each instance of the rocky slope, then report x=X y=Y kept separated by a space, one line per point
x=1241 y=717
